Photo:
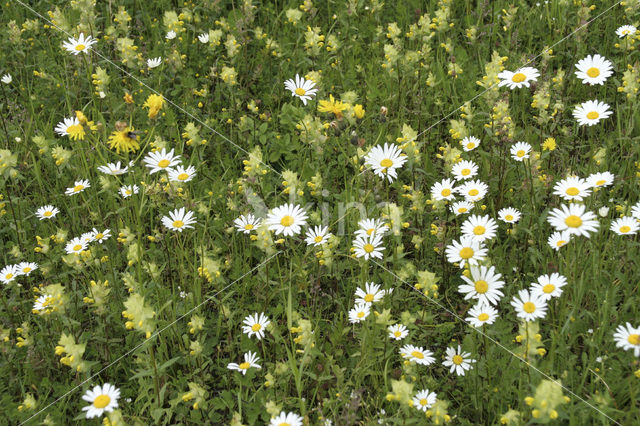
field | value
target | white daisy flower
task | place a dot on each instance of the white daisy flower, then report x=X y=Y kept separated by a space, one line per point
x=255 y=325
x=591 y=112
x=70 y=127
x=480 y=228
x=101 y=236
x=7 y=79
x=484 y=285
x=461 y=207
x=559 y=239
x=76 y=245
x=466 y=251
x=113 y=169
x=368 y=247
x=464 y=170
x=424 y=400
x=154 y=62
x=473 y=190
x=370 y=294
x=246 y=224
x=548 y=286
x=82 y=44
x=482 y=314
x=417 y=354
x=444 y=190
x=470 y=143
x=78 y=186
x=180 y=174
x=160 y=160
x=594 y=70
x=628 y=338
x=287 y=219
x=520 y=150
x=204 y=38
x=317 y=236
x=518 y=78
x=359 y=313
x=385 y=160
x=626 y=31
x=573 y=219
x=179 y=219
x=627 y=225
x=42 y=303
x=597 y=180
x=370 y=227
x=102 y=399
x=302 y=88
x=25 y=268
x=47 y=212
x=170 y=35
x=529 y=307
x=250 y=360
x=286 y=419
x=509 y=215
x=458 y=361
x=572 y=188
x=9 y=273
x=128 y=190
x=397 y=331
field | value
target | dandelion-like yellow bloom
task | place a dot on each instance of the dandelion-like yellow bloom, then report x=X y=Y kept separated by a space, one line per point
x=121 y=140
x=154 y=103
x=332 y=106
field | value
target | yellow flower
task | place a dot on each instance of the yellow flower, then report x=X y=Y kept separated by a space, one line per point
x=358 y=111
x=121 y=140
x=332 y=106
x=549 y=144
x=128 y=98
x=154 y=103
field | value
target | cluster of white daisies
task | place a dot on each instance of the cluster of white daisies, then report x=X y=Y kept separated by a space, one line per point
x=10 y=272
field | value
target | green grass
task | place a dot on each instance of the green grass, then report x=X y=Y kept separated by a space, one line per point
x=345 y=372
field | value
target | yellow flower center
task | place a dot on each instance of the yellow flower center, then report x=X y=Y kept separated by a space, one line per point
x=474 y=192
x=9 y=276
x=47 y=214
x=248 y=227
x=386 y=163
x=466 y=253
x=572 y=191
x=417 y=354
x=178 y=224
x=77 y=247
x=318 y=239
x=101 y=401
x=634 y=339
x=601 y=182
x=457 y=359
x=26 y=270
x=244 y=366
x=80 y=48
x=479 y=230
x=370 y=231
x=78 y=188
x=284 y=424
x=483 y=317
x=368 y=298
x=471 y=145
x=529 y=307
x=256 y=327
x=286 y=221
x=368 y=248
x=423 y=402
x=520 y=153
x=163 y=163
x=592 y=115
x=360 y=314
x=445 y=192
x=518 y=77
x=624 y=229
x=128 y=192
x=465 y=172
x=481 y=286
x=300 y=91
x=183 y=176
x=99 y=236
x=625 y=32
x=397 y=333
x=508 y=217
x=573 y=221
x=462 y=210
x=548 y=288
x=593 y=72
